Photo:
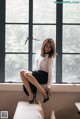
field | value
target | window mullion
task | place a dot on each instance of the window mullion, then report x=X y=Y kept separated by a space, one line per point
x=2 y=40
x=30 y=33
x=59 y=42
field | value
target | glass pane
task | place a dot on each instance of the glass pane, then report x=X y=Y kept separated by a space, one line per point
x=15 y=38
x=71 y=39
x=41 y=32
x=44 y=11
x=54 y=68
x=71 y=13
x=13 y=64
x=71 y=69
x=17 y=11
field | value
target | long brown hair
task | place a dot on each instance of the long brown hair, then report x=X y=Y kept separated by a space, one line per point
x=52 y=53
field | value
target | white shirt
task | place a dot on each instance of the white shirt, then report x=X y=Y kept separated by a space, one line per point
x=44 y=64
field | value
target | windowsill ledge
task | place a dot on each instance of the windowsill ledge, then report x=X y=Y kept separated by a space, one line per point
x=54 y=87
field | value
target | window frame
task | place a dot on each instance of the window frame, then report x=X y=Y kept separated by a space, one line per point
x=59 y=33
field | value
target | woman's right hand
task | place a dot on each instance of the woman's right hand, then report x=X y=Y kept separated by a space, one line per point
x=48 y=91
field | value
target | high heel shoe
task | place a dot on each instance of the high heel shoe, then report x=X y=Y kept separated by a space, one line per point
x=48 y=94
x=45 y=100
x=33 y=100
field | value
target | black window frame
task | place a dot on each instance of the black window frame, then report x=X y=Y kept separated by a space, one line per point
x=59 y=33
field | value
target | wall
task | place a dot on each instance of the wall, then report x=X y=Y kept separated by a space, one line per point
x=61 y=102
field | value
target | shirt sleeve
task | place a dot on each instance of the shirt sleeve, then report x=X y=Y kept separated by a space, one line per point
x=50 y=75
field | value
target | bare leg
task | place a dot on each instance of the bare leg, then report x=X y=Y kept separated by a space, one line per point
x=26 y=83
x=35 y=83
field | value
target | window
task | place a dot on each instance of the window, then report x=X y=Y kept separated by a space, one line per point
x=34 y=20
x=71 y=43
x=16 y=33
x=17 y=29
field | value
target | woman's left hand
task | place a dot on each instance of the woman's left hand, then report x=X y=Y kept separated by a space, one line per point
x=48 y=89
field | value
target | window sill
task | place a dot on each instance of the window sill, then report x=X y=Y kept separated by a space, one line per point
x=54 y=87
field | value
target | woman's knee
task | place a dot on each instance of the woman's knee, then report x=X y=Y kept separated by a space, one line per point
x=22 y=72
x=25 y=73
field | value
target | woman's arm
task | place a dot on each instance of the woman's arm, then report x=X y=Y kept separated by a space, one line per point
x=50 y=68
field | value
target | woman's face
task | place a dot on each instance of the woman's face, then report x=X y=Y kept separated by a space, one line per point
x=47 y=48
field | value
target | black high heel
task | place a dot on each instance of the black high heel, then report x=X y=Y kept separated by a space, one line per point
x=45 y=100
x=48 y=94
x=33 y=100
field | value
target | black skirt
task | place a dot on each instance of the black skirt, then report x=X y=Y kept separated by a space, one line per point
x=41 y=77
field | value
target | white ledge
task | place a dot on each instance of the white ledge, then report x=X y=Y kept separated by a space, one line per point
x=54 y=87
x=65 y=88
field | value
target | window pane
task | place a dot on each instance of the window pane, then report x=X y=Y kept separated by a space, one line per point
x=44 y=11
x=54 y=68
x=71 y=68
x=13 y=64
x=71 y=13
x=71 y=39
x=41 y=32
x=17 y=10
x=15 y=38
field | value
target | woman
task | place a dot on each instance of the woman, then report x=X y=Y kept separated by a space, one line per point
x=42 y=73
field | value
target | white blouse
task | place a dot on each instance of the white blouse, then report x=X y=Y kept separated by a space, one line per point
x=44 y=64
